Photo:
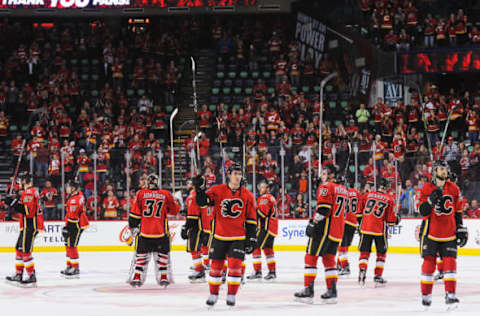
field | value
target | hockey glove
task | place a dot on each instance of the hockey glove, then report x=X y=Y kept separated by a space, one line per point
x=462 y=236
x=184 y=232
x=310 y=228
x=65 y=232
x=435 y=197
x=250 y=244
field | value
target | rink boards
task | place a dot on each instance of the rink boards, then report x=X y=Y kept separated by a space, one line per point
x=107 y=236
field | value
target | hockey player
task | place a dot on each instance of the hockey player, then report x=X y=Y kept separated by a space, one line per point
x=148 y=220
x=325 y=230
x=30 y=220
x=351 y=210
x=442 y=231
x=267 y=230
x=192 y=232
x=76 y=222
x=377 y=211
x=234 y=229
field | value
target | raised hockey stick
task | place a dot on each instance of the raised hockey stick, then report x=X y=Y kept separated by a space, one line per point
x=195 y=109
x=446 y=128
x=422 y=105
x=172 y=156
x=221 y=151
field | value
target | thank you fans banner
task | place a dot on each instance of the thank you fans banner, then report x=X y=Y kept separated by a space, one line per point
x=310 y=35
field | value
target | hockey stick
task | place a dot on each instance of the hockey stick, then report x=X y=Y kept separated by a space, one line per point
x=348 y=162
x=195 y=109
x=221 y=151
x=446 y=129
x=422 y=105
x=172 y=157
x=29 y=125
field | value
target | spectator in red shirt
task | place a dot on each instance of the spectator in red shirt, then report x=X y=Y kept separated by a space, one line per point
x=474 y=210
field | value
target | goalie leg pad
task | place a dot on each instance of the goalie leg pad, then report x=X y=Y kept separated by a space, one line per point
x=140 y=267
x=161 y=266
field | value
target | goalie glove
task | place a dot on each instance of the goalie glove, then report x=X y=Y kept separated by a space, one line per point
x=462 y=236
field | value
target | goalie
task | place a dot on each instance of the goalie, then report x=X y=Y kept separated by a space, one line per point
x=148 y=222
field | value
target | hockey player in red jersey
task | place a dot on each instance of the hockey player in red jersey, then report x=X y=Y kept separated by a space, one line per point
x=351 y=210
x=442 y=231
x=325 y=232
x=192 y=232
x=234 y=229
x=75 y=223
x=377 y=212
x=30 y=220
x=267 y=230
x=148 y=221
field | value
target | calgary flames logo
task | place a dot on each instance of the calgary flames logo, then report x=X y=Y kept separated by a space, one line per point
x=232 y=208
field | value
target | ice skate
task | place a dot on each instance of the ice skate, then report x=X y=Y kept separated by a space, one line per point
x=256 y=276
x=14 y=279
x=330 y=296
x=31 y=281
x=231 y=300
x=379 y=281
x=271 y=276
x=451 y=301
x=197 y=277
x=305 y=295
x=361 y=277
x=426 y=301
x=72 y=273
x=212 y=300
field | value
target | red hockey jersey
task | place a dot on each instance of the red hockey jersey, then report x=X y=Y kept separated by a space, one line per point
x=334 y=197
x=377 y=210
x=75 y=210
x=267 y=214
x=152 y=207
x=29 y=200
x=352 y=208
x=231 y=210
x=440 y=224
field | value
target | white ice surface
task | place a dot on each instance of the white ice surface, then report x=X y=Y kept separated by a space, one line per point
x=102 y=289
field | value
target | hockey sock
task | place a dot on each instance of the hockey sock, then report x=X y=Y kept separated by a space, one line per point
x=197 y=260
x=363 y=262
x=257 y=260
x=215 y=280
x=28 y=262
x=330 y=269
x=440 y=265
x=310 y=270
x=225 y=264
x=204 y=250
x=140 y=263
x=342 y=256
x=74 y=257
x=270 y=255
x=450 y=274
x=68 y=251
x=380 y=263
x=19 y=262
x=244 y=267
x=234 y=275
x=162 y=264
x=428 y=268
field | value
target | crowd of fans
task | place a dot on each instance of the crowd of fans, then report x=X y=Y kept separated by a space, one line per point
x=402 y=25
x=136 y=76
